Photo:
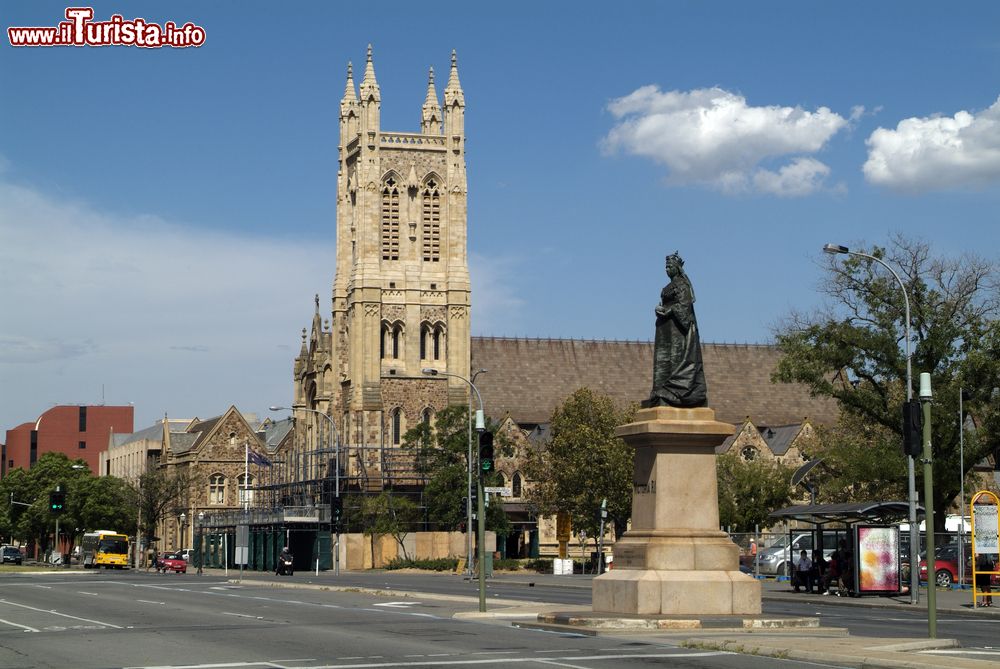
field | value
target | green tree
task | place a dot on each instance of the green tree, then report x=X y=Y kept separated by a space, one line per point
x=750 y=491
x=159 y=494
x=389 y=514
x=862 y=462
x=36 y=522
x=852 y=349
x=441 y=454
x=584 y=463
x=105 y=502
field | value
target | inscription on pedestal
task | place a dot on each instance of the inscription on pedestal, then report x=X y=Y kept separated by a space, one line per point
x=630 y=557
x=644 y=488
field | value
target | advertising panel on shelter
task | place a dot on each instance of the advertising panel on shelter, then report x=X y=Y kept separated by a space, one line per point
x=878 y=559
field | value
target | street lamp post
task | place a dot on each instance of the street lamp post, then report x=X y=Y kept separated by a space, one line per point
x=481 y=521
x=180 y=541
x=835 y=249
x=335 y=442
x=201 y=541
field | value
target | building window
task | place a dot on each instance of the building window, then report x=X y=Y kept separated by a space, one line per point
x=437 y=343
x=426 y=416
x=390 y=220
x=217 y=489
x=33 y=449
x=424 y=333
x=397 y=332
x=83 y=419
x=515 y=485
x=391 y=340
x=246 y=488
x=396 y=419
x=749 y=453
x=431 y=217
x=82 y=445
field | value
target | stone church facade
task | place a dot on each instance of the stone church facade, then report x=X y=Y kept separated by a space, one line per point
x=401 y=295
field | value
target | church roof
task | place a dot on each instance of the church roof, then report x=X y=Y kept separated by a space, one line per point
x=529 y=378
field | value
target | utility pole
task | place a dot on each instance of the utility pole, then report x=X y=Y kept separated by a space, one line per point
x=925 y=401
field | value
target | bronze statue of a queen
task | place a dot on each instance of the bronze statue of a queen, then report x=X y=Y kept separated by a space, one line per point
x=678 y=372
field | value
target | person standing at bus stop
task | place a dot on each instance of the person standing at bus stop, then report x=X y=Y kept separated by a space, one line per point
x=984 y=563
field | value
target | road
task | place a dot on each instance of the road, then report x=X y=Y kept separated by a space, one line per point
x=972 y=629
x=137 y=619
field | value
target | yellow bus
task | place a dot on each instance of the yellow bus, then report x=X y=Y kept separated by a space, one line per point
x=104 y=548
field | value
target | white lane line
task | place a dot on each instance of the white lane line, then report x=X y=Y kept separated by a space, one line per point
x=562 y=664
x=64 y=615
x=441 y=663
x=241 y=615
x=44 y=587
x=92 y=594
x=148 y=601
x=559 y=650
x=960 y=652
x=24 y=627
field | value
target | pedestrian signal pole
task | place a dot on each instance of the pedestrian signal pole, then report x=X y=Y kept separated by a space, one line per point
x=485 y=467
x=925 y=401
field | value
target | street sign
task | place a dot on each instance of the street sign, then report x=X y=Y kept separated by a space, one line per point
x=499 y=490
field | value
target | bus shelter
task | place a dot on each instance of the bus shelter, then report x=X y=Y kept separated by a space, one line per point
x=866 y=536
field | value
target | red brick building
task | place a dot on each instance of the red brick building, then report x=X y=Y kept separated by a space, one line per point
x=77 y=431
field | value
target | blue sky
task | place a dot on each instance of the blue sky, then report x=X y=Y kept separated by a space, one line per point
x=167 y=215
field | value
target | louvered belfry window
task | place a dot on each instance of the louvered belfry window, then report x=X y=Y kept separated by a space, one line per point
x=431 y=216
x=390 y=220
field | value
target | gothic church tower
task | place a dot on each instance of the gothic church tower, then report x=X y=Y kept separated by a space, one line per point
x=401 y=291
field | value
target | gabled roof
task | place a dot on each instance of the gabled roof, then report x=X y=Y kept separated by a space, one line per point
x=779 y=438
x=273 y=433
x=531 y=377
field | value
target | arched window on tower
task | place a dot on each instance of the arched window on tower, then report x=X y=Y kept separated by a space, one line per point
x=515 y=485
x=424 y=336
x=383 y=340
x=397 y=337
x=437 y=342
x=431 y=217
x=396 y=425
x=390 y=219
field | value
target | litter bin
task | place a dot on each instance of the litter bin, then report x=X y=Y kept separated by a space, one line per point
x=489 y=565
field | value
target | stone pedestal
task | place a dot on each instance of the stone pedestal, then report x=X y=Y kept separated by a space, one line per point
x=674 y=560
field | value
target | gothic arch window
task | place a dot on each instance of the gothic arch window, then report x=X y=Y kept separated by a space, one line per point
x=425 y=330
x=437 y=342
x=390 y=219
x=749 y=453
x=516 y=484
x=396 y=425
x=391 y=341
x=216 y=489
x=245 y=482
x=426 y=416
x=430 y=216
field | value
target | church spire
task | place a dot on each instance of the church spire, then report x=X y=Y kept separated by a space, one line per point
x=349 y=95
x=369 y=87
x=453 y=91
x=430 y=118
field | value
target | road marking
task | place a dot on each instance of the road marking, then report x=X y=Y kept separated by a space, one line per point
x=45 y=587
x=24 y=627
x=56 y=613
x=960 y=652
x=398 y=605
x=437 y=663
x=562 y=664
x=148 y=601
x=242 y=615
x=92 y=594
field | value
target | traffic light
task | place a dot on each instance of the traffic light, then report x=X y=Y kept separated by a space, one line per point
x=338 y=510
x=486 y=451
x=913 y=426
x=57 y=501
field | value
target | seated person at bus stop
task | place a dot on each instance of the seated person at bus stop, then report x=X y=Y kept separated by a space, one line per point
x=803 y=572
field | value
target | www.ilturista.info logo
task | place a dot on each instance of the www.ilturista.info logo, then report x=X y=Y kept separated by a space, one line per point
x=81 y=30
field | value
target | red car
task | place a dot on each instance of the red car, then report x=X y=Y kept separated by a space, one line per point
x=172 y=562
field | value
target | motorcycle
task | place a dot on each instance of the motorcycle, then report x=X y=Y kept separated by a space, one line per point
x=284 y=566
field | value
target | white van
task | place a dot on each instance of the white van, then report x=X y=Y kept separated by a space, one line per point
x=778 y=558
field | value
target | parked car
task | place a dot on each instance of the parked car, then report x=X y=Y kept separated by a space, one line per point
x=172 y=562
x=946 y=565
x=11 y=554
x=187 y=554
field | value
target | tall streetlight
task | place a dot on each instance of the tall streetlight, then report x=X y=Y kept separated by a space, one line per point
x=835 y=249
x=335 y=442
x=480 y=426
x=201 y=542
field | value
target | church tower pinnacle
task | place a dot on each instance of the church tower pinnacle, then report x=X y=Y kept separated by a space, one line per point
x=430 y=118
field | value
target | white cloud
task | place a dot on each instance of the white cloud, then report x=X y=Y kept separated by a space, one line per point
x=713 y=137
x=172 y=318
x=937 y=152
